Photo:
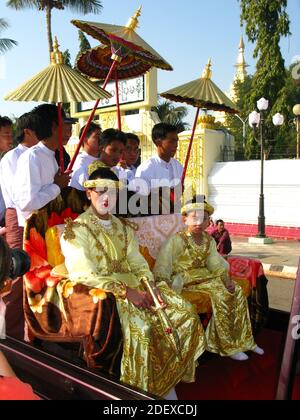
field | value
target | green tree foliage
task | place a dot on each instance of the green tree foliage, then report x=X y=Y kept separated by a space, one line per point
x=5 y=43
x=240 y=129
x=171 y=114
x=79 y=6
x=67 y=57
x=266 y=22
x=285 y=145
x=84 y=44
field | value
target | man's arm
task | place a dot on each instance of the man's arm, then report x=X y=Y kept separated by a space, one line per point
x=29 y=194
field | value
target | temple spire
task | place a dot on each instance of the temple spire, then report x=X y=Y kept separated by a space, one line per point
x=241 y=64
x=241 y=68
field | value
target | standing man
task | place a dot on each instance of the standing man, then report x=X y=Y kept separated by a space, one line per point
x=38 y=179
x=6 y=143
x=27 y=131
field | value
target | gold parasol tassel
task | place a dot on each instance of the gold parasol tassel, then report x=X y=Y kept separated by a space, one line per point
x=171 y=333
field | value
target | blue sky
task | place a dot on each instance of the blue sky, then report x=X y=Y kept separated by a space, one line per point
x=186 y=33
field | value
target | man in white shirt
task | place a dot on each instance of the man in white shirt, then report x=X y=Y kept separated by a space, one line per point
x=163 y=172
x=26 y=137
x=38 y=180
x=6 y=143
x=28 y=126
x=91 y=151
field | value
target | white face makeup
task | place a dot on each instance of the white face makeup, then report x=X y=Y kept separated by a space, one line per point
x=2 y=320
x=197 y=221
x=196 y=218
x=106 y=200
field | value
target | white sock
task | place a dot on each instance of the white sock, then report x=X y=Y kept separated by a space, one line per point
x=259 y=351
x=239 y=356
x=171 y=396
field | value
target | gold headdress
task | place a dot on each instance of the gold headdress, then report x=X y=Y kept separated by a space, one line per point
x=196 y=207
x=96 y=165
x=104 y=183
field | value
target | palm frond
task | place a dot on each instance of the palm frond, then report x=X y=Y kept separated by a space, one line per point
x=6 y=44
x=3 y=24
x=83 y=6
x=23 y=4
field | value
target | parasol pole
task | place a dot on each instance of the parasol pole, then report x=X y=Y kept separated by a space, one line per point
x=131 y=25
x=118 y=101
x=91 y=117
x=190 y=148
x=60 y=138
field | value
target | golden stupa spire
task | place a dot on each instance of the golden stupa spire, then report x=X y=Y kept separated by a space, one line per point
x=241 y=64
x=241 y=71
x=134 y=20
x=207 y=73
x=56 y=55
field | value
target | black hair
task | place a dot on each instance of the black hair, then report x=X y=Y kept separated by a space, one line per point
x=220 y=221
x=93 y=127
x=5 y=261
x=134 y=137
x=110 y=135
x=32 y=122
x=161 y=130
x=49 y=115
x=103 y=173
x=5 y=122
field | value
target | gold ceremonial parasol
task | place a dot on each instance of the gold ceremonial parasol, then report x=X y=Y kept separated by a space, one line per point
x=201 y=93
x=58 y=83
x=124 y=41
x=124 y=54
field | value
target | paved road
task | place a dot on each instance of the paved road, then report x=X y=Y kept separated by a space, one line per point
x=280 y=261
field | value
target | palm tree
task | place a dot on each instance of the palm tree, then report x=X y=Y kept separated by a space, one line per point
x=81 y=6
x=171 y=114
x=5 y=43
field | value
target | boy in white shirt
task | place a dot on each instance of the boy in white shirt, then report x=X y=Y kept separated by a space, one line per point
x=90 y=154
x=126 y=168
x=163 y=172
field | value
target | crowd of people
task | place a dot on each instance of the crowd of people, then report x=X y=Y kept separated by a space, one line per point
x=102 y=252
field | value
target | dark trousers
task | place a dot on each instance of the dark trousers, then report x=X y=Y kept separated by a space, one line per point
x=15 y=322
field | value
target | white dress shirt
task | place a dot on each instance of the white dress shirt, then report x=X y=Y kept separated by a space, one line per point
x=159 y=173
x=2 y=206
x=34 y=180
x=80 y=170
x=8 y=167
x=123 y=174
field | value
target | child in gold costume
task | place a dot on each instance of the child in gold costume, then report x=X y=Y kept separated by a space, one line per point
x=189 y=262
x=101 y=252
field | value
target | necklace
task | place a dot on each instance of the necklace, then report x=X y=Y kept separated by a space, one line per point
x=115 y=266
x=197 y=252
